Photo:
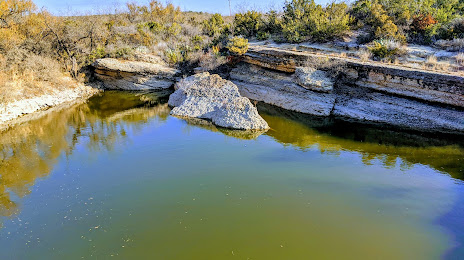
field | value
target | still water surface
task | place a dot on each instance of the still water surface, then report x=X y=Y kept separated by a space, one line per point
x=117 y=177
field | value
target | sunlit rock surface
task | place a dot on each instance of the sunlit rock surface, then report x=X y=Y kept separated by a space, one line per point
x=313 y=79
x=366 y=92
x=210 y=97
x=134 y=75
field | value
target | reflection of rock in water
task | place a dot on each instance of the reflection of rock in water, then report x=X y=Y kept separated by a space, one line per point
x=30 y=150
x=387 y=145
x=141 y=114
x=240 y=134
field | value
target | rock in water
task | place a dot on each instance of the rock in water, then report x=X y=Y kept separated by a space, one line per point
x=312 y=79
x=210 y=97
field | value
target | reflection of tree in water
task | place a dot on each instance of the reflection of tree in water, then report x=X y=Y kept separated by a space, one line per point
x=30 y=150
x=444 y=154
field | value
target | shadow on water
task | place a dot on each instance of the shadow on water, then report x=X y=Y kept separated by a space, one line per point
x=29 y=151
x=442 y=152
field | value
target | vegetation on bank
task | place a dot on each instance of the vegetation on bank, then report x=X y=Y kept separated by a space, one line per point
x=38 y=47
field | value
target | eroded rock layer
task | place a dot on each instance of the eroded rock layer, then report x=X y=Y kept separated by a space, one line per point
x=414 y=83
x=134 y=75
x=349 y=101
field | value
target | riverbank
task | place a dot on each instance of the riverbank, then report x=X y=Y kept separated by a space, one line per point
x=12 y=112
x=327 y=86
x=366 y=92
x=353 y=90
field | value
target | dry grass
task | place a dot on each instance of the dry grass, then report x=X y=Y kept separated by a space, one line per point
x=210 y=61
x=433 y=64
x=29 y=77
x=460 y=59
x=431 y=61
x=451 y=45
x=364 y=55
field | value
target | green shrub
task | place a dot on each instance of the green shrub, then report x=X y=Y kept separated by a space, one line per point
x=263 y=36
x=214 y=25
x=248 y=24
x=304 y=20
x=273 y=24
x=197 y=42
x=452 y=30
x=97 y=53
x=155 y=27
x=173 y=56
x=386 y=49
x=374 y=18
x=173 y=30
x=237 y=45
x=123 y=53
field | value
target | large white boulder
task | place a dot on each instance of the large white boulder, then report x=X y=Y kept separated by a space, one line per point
x=212 y=98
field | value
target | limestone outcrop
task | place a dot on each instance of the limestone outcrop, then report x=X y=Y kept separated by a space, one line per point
x=419 y=84
x=212 y=98
x=279 y=89
x=313 y=79
x=134 y=75
x=347 y=101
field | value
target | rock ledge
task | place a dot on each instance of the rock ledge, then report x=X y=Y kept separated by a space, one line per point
x=134 y=75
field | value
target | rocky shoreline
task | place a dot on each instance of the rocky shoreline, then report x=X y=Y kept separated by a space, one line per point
x=313 y=84
x=372 y=93
x=14 y=112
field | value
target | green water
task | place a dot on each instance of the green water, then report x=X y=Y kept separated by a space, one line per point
x=117 y=177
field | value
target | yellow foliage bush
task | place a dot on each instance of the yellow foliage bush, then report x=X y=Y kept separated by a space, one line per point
x=238 y=45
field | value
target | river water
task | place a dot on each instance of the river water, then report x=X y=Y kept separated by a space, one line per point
x=117 y=177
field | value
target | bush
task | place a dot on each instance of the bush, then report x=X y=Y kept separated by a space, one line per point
x=421 y=22
x=155 y=27
x=214 y=25
x=372 y=16
x=197 y=42
x=304 y=20
x=423 y=29
x=248 y=24
x=173 y=30
x=386 y=49
x=211 y=61
x=453 y=30
x=273 y=24
x=173 y=56
x=263 y=36
x=237 y=46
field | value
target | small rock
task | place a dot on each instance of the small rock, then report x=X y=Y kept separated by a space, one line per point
x=313 y=79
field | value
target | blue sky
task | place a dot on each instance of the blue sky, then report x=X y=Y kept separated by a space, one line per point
x=61 y=7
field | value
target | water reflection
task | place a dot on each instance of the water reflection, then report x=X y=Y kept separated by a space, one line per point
x=389 y=146
x=30 y=151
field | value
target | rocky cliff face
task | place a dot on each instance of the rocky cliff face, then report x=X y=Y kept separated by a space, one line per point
x=418 y=84
x=134 y=75
x=351 y=101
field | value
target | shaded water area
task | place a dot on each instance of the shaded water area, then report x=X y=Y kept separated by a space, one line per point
x=117 y=177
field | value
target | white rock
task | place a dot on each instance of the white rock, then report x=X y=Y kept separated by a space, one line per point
x=210 y=97
x=278 y=89
x=134 y=75
x=313 y=79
